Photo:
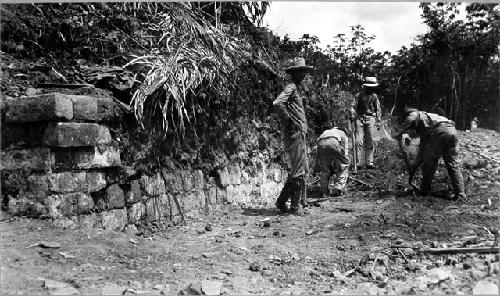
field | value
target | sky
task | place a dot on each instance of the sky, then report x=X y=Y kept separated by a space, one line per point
x=393 y=23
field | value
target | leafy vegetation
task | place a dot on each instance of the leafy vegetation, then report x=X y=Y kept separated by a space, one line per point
x=198 y=68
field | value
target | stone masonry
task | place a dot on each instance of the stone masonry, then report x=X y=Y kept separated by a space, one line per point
x=60 y=161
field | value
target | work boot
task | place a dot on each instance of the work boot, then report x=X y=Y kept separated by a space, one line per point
x=283 y=197
x=295 y=194
x=284 y=208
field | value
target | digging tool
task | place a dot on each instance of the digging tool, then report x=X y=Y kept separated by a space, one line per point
x=352 y=122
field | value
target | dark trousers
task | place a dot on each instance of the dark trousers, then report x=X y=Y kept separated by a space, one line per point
x=444 y=142
x=295 y=190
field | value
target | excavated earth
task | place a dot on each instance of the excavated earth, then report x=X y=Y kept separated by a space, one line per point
x=371 y=241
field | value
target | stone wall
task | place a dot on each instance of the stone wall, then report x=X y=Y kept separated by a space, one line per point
x=61 y=161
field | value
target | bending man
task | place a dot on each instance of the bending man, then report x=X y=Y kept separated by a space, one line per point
x=438 y=137
x=333 y=151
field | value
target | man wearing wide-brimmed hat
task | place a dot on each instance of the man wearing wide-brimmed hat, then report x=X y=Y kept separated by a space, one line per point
x=289 y=106
x=366 y=109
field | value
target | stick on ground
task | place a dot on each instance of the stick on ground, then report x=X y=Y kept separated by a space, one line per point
x=360 y=182
x=483 y=250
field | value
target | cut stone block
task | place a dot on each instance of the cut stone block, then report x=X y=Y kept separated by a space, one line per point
x=48 y=107
x=39 y=159
x=114 y=220
x=74 y=134
x=86 y=108
x=76 y=181
x=67 y=182
x=87 y=158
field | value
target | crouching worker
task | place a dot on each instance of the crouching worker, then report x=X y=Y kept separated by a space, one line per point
x=438 y=137
x=332 y=154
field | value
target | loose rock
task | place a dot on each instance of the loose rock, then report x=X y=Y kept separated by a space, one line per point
x=211 y=287
x=255 y=266
x=485 y=288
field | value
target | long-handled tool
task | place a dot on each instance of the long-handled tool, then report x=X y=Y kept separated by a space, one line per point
x=353 y=124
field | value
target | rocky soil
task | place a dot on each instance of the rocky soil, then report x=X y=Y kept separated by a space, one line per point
x=371 y=241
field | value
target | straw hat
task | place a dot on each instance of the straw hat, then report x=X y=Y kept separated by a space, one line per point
x=298 y=64
x=370 y=82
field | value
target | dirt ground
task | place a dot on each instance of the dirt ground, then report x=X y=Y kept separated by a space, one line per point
x=370 y=241
x=362 y=243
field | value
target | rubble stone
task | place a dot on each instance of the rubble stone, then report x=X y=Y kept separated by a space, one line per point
x=171 y=183
x=48 y=107
x=187 y=180
x=222 y=178
x=87 y=221
x=157 y=207
x=131 y=229
x=115 y=198
x=95 y=181
x=199 y=181
x=133 y=195
x=38 y=159
x=25 y=135
x=153 y=185
x=114 y=219
x=38 y=187
x=136 y=213
x=73 y=134
x=221 y=195
x=234 y=175
x=26 y=207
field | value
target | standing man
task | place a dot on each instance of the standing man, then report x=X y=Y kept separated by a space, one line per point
x=366 y=107
x=290 y=108
x=438 y=137
x=333 y=152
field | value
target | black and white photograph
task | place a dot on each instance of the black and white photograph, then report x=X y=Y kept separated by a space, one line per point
x=249 y=148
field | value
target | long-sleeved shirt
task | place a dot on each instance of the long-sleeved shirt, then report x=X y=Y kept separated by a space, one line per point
x=339 y=135
x=367 y=104
x=289 y=106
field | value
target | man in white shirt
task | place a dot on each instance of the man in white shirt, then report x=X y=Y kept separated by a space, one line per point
x=332 y=154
